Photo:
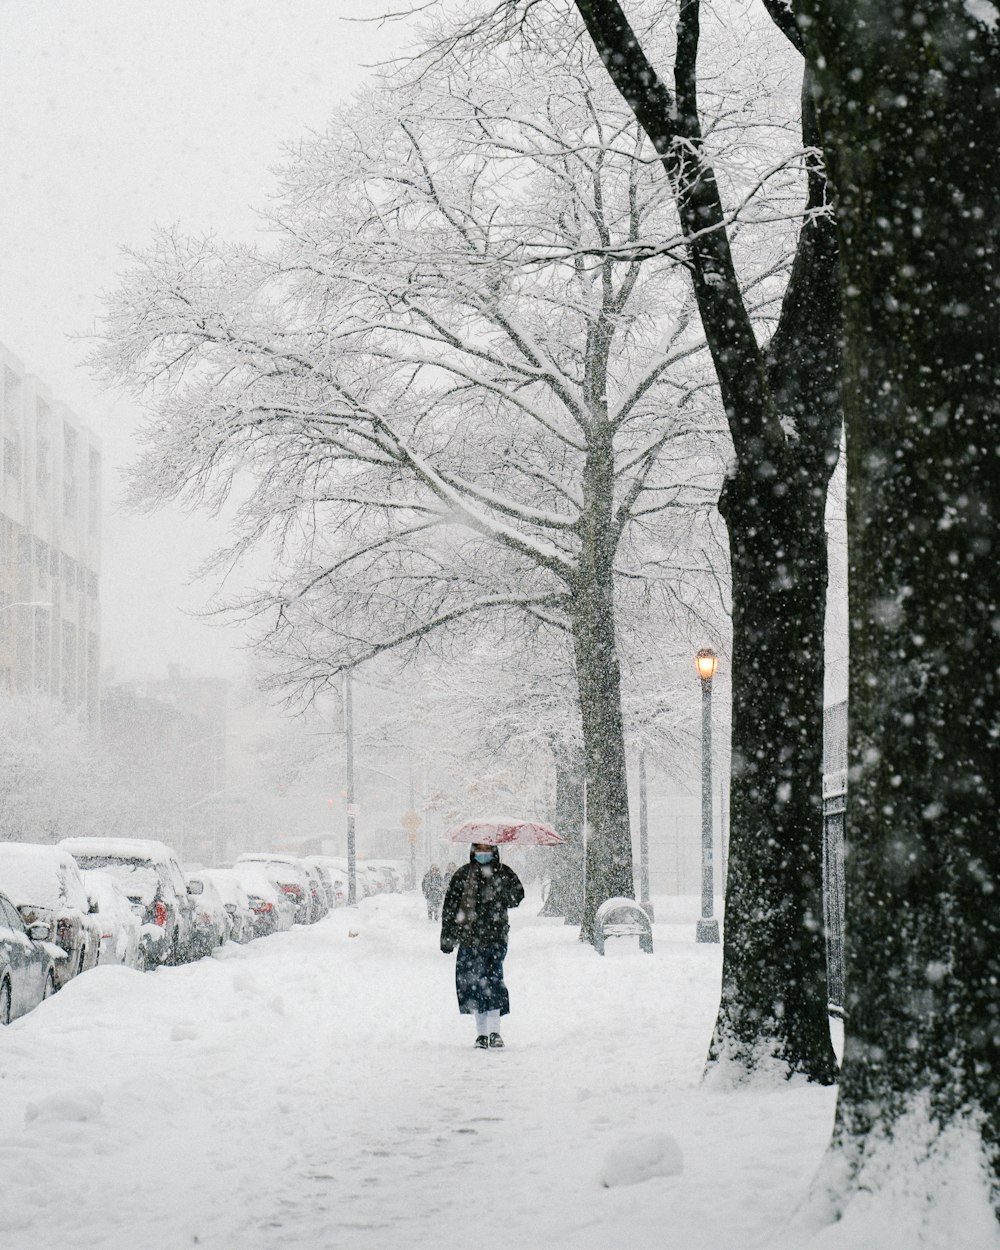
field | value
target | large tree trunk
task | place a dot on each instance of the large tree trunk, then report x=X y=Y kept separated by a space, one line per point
x=911 y=125
x=608 y=860
x=565 y=897
x=774 y=989
x=774 y=1002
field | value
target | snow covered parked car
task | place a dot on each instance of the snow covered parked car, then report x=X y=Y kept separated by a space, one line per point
x=27 y=962
x=333 y=876
x=212 y=923
x=151 y=877
x=45 y=885
x=273 y=910
x=235 y=900
x=320 y=903
x=120 y=930
x=288 y=873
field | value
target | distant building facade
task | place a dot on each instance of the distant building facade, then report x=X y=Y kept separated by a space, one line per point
x=50 y=545
x=168 y=737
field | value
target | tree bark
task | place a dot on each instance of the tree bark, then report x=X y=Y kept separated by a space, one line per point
x=565 y=896
x=774 y=955
x=608 y=860
x=911 y=126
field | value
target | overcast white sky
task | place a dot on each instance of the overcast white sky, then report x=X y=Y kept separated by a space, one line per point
x=116 y=115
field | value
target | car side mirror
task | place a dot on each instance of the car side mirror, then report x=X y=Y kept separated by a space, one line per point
x=93 y=909
x=195 y=887
x=231 y=908
x=40 y=931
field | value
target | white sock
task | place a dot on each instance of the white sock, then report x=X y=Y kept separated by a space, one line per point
x=481 y=1019
x=492 y=1022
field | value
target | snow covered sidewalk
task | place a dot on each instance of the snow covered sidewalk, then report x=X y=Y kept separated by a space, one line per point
x=318 y=1090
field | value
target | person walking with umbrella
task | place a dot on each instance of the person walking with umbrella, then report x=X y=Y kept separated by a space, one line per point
x=474 y=919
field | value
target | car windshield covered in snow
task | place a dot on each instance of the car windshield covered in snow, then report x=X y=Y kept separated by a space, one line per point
x=137 y=877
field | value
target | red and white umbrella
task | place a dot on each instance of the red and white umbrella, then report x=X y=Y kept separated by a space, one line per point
x=500 y=830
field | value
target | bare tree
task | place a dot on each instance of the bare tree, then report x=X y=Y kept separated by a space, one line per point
x=782 y=407
x=461 y=385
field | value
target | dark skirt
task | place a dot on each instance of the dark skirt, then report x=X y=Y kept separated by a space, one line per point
x=479 y=979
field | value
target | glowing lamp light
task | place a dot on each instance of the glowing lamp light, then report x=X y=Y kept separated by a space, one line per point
x=706 y=662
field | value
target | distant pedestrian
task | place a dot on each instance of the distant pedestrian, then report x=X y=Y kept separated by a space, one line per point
x=433 y=887
x=475 y=920
x=449 y=872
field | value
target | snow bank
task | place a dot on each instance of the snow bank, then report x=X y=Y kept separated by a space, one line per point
x=640 y=1158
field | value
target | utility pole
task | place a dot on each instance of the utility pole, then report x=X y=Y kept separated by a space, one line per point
x=352 y=811
x=644 y=900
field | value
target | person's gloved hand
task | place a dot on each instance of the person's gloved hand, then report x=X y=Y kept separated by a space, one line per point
x=447 y=946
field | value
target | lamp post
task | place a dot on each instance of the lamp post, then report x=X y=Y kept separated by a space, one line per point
x=706 y=662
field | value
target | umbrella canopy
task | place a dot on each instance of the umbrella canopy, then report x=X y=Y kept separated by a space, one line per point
x=497 y=830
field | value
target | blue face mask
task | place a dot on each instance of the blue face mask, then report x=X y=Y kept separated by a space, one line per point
x=483 y=857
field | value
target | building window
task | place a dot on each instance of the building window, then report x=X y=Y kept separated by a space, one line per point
x=11 y=396
x=68 y=663
x=12 y=455
x=41 y=562
x=43 y=468
x=42 y=656
x=71 y=441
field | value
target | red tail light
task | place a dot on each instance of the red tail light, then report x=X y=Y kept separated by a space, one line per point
x=294 y=890
x=264 y=907
x=160 y=914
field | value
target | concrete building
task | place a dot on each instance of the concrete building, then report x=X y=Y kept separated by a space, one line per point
x=50 y=545
x=168 y=738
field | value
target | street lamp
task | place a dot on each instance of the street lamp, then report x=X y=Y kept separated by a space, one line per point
x=706 y=662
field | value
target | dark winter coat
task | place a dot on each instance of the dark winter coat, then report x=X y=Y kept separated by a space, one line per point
x=475 y=906
x=433 y=886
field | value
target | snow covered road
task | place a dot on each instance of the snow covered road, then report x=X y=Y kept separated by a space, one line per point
x=318 y=1089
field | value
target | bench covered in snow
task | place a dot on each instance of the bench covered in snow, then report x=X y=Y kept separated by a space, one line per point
x=622 y=917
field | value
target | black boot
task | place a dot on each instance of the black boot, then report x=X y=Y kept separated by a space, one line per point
x=496 y=1041
x=482 y=1041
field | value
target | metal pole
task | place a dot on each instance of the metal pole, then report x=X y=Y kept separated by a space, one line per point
x=708 y=927
x=646 y=905
x=412 y=833
x=352 y=877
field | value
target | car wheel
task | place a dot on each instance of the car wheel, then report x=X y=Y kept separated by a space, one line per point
x=5 y=1004
x=50 y=986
